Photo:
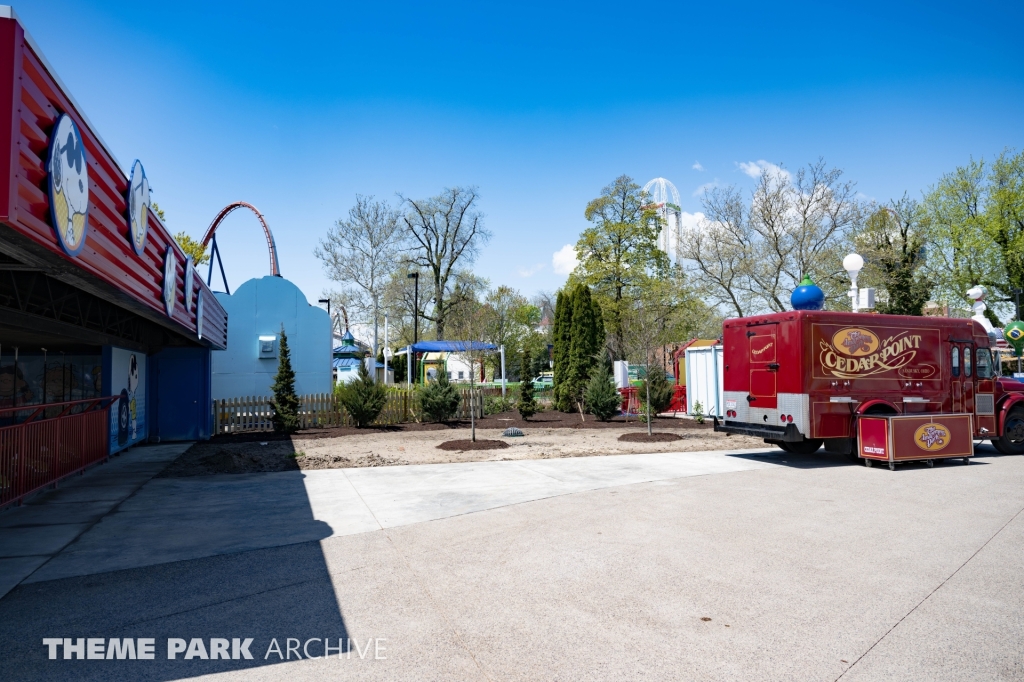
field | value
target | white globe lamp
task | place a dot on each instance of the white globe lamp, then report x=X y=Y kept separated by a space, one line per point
x=853 y=264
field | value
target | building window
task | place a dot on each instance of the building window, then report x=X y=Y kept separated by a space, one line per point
x=451 y=375
x=967 y=361
x=461 y=375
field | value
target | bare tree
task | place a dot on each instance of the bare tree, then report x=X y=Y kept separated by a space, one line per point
x=400 y=303
x=470 y=325
x=361 y=253
x=749 y=258
x=647 y=320
x=446 y=232
x=718 y=251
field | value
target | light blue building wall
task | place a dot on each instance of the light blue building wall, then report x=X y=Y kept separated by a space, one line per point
x=258 y=308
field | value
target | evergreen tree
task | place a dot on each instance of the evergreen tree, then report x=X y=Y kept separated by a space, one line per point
x=584 y=346
x=439 y=399
x=660 y=390
x=364 y=398
x=603 y=400
x=398 y=362
x=285 y=402
x=560 y=341
x=527 y=406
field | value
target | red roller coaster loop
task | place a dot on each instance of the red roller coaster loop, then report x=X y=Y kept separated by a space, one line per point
x=271 y=246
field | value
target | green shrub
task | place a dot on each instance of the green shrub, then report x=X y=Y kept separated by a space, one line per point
x=603 y=401
x=439 y=399
x=661 y=390
x=364 y=398
x=698 y=412
x=285 y=403
x=495 y=404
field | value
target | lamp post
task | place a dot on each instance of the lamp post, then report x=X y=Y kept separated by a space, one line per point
x=387 y=349
x=415 y=305
x=415 y=276
x=853 y=264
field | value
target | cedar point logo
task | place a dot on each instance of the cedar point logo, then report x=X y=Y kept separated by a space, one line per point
x=931 y=437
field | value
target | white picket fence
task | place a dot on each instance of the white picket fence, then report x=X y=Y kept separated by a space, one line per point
x=321 y=410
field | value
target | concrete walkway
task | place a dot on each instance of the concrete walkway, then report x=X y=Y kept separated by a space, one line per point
x=798 y=568
x=175 y=519
x=37 y=531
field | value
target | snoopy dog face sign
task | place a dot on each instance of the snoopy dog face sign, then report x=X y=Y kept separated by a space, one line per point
x=138 y=207
x=69 y=185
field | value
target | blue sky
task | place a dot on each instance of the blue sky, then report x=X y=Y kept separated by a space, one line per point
x=298 y=107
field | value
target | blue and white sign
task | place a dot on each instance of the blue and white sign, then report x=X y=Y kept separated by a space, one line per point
x=138 y=207
x=68 y=185
x=199 y=314
x=170 y=280
x=189 y=275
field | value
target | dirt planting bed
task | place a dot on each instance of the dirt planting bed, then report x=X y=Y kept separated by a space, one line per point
x=547 y=435
x=469 y=444
x=656 y=437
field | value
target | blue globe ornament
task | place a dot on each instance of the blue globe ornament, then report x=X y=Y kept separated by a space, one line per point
x=807 y=296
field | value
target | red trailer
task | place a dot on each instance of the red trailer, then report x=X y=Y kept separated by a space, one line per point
x=877 y=387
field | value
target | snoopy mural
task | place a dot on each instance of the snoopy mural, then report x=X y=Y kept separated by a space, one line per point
x=69 y=185
x=128 y=416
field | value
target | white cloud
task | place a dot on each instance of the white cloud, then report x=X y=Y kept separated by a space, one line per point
x=564 y=260
x=690 y=221
x=530 y=272
x=755 y=168
x=699 y=192
x=697 y=166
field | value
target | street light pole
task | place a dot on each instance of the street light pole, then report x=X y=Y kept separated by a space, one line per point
x=415 y=276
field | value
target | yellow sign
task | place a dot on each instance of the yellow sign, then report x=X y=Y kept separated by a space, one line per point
x=931 y=437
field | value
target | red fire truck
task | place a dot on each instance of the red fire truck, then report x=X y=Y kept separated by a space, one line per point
x=883 y=388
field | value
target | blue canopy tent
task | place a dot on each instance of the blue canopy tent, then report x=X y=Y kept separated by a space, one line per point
x=453 y=347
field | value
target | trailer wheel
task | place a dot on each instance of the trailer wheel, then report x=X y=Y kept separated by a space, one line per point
x=804 y=447
x=930 y=463
x=868 y=464
x=892 y=466
x=1012 y=440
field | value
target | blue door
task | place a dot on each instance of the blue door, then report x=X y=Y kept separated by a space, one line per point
x=182 y=387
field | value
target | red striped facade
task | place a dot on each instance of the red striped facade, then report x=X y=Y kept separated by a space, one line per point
x=31 y=100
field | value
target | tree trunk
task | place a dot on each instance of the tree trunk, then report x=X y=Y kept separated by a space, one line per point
x=647 y=383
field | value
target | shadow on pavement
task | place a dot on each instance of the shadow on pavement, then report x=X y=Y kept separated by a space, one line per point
x=278 y=592
x=816 y=461
x=822 y=459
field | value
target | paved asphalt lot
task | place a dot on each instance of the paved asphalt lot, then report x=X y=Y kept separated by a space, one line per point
x=712 y=566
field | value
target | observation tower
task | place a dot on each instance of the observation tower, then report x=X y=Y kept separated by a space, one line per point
x=664 y=198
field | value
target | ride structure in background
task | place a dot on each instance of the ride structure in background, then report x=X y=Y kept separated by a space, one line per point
x=664 y=198
x=211 y=236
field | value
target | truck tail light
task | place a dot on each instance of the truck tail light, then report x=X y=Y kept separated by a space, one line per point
x=783 y=418
x=789 y=418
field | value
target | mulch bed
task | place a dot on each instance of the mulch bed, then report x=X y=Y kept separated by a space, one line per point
x=481 y=444
x=548 y=419
x=656 y=437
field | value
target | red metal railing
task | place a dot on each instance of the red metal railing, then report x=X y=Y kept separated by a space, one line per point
x=39 y=451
